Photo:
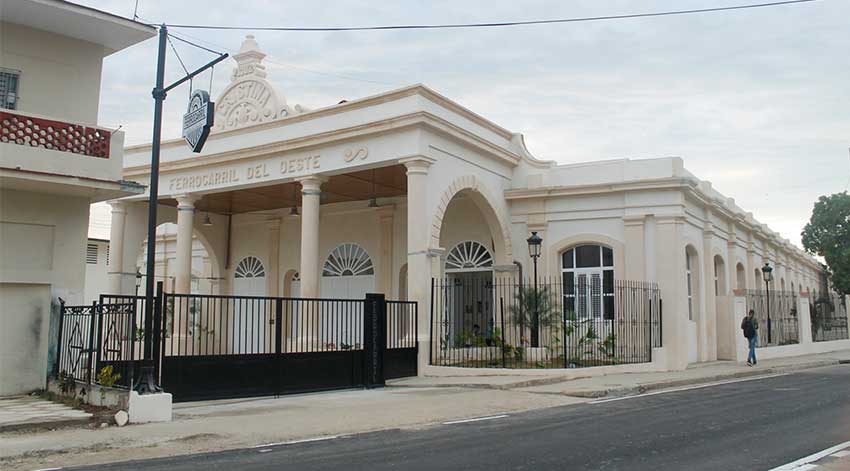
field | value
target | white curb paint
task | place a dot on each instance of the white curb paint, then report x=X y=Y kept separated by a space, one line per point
x=800 y=464
x=477 y=419
x=687 y=388
x=293 y=442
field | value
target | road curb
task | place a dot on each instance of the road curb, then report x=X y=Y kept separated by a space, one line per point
x=658 y=385
x=628 y=390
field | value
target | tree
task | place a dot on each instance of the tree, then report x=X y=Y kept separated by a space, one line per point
x=828 y=234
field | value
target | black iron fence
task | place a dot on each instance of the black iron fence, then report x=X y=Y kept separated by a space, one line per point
x=96 y=343
x=207 y=346
x=829 y=318
x=776 y=315
x=494 y=322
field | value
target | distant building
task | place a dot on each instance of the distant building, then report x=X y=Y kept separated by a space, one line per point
x=54 y=162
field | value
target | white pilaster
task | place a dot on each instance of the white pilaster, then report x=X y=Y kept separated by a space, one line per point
x=273 y=272
x=185 y=222
x=385 y=274
x=115 y=269
x=418 y=263
x=310 y=202
x=671 y=281
x=707 y=333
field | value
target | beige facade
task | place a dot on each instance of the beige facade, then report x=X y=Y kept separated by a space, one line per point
x=407 y=177
x=54 y=162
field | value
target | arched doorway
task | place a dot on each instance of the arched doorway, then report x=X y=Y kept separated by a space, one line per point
x=348 y=273
x=469 y=272
x=250 y=320
x=203 y=279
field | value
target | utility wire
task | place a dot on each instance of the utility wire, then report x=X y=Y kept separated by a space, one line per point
x=167 y=36
x=272 y=60
x=488 y=25
x=172 y=35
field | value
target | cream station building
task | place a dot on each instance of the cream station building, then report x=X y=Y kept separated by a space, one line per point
x=383 y=193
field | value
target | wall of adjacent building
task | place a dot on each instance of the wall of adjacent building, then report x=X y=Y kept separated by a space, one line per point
x=59 y=75
x=42 y=251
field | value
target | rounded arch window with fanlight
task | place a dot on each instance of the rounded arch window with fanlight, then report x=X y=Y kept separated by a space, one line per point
x=469 y=256
x=250 y=267
x=588 y=276
x=348 y=259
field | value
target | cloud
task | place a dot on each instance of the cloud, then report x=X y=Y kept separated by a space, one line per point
x=754 y=100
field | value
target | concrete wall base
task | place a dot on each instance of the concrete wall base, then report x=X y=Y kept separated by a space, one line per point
x=659 y=363
x=149 y=408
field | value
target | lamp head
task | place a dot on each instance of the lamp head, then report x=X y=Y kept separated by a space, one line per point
x=534 y=245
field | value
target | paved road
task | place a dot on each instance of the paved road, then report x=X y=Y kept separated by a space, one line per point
x=750 y=425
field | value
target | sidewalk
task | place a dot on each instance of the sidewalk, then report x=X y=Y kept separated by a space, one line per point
x=20 y=412
x=218 y=425
x=622 y=384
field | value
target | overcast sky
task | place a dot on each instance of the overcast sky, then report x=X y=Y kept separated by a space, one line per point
x=755 y=101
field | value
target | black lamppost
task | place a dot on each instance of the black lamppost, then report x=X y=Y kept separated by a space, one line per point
x=534 y=244
x=767 y=274
x=138 y=280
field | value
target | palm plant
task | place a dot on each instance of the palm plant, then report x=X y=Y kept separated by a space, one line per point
x=530 y=302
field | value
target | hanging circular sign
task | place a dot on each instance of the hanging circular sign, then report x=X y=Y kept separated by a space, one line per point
x=198 y=120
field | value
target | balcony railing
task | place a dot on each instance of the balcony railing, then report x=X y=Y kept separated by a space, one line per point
x=56 y=135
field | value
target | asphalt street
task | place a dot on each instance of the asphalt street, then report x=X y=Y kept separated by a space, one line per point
x=748 y=425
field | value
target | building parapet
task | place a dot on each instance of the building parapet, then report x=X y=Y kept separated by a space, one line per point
x=34 y=131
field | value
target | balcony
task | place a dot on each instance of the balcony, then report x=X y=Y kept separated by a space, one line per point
x=31 y=131
x=47 y=155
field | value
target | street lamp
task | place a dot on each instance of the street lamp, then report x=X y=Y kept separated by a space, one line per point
x=138 y=280
x=767 y=274
x=535 y=242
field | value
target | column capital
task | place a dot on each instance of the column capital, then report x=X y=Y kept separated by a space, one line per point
x=118 y=206
x=417 y=164
x=634 y=219
x=186 y=201
x=273 y=223
x=311 y=184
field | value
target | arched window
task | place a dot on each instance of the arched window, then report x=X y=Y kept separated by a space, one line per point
x=691 y=268
x=250 y=267
x=469 y=256
x=348 y=259
x=588 y=276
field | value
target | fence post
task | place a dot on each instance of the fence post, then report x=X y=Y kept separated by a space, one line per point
x=430 y=328
x=156 y=327
x=374 y=339
x=92 y=320
x=57 y=366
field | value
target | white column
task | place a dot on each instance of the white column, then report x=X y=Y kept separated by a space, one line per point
x=185 y=220
x=310 y=193
x=707 y=336
x=115 y=269
x=273 y=272
x=418 y=263
x=670 y=250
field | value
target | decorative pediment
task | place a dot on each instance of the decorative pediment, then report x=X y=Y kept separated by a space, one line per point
x=250 y=99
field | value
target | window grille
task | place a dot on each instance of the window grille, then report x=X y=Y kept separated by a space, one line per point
x=9 y=88
x=107 y=255
x=91 y=254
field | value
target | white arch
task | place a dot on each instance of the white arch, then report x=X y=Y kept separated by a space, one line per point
x=486 y=204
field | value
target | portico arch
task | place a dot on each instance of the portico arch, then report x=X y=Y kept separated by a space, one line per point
x=470 y=187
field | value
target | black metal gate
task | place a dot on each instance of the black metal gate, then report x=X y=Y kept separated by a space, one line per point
x=242 y=346
x=213 y=347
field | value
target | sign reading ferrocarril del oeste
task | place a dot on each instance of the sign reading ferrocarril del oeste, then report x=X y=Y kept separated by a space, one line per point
x=198 y=120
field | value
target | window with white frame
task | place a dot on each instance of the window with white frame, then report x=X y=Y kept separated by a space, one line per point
x=587 y=273
x=690 y=280
x=9 y=88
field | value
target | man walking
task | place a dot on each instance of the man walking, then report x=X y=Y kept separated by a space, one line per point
x=750 y=326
